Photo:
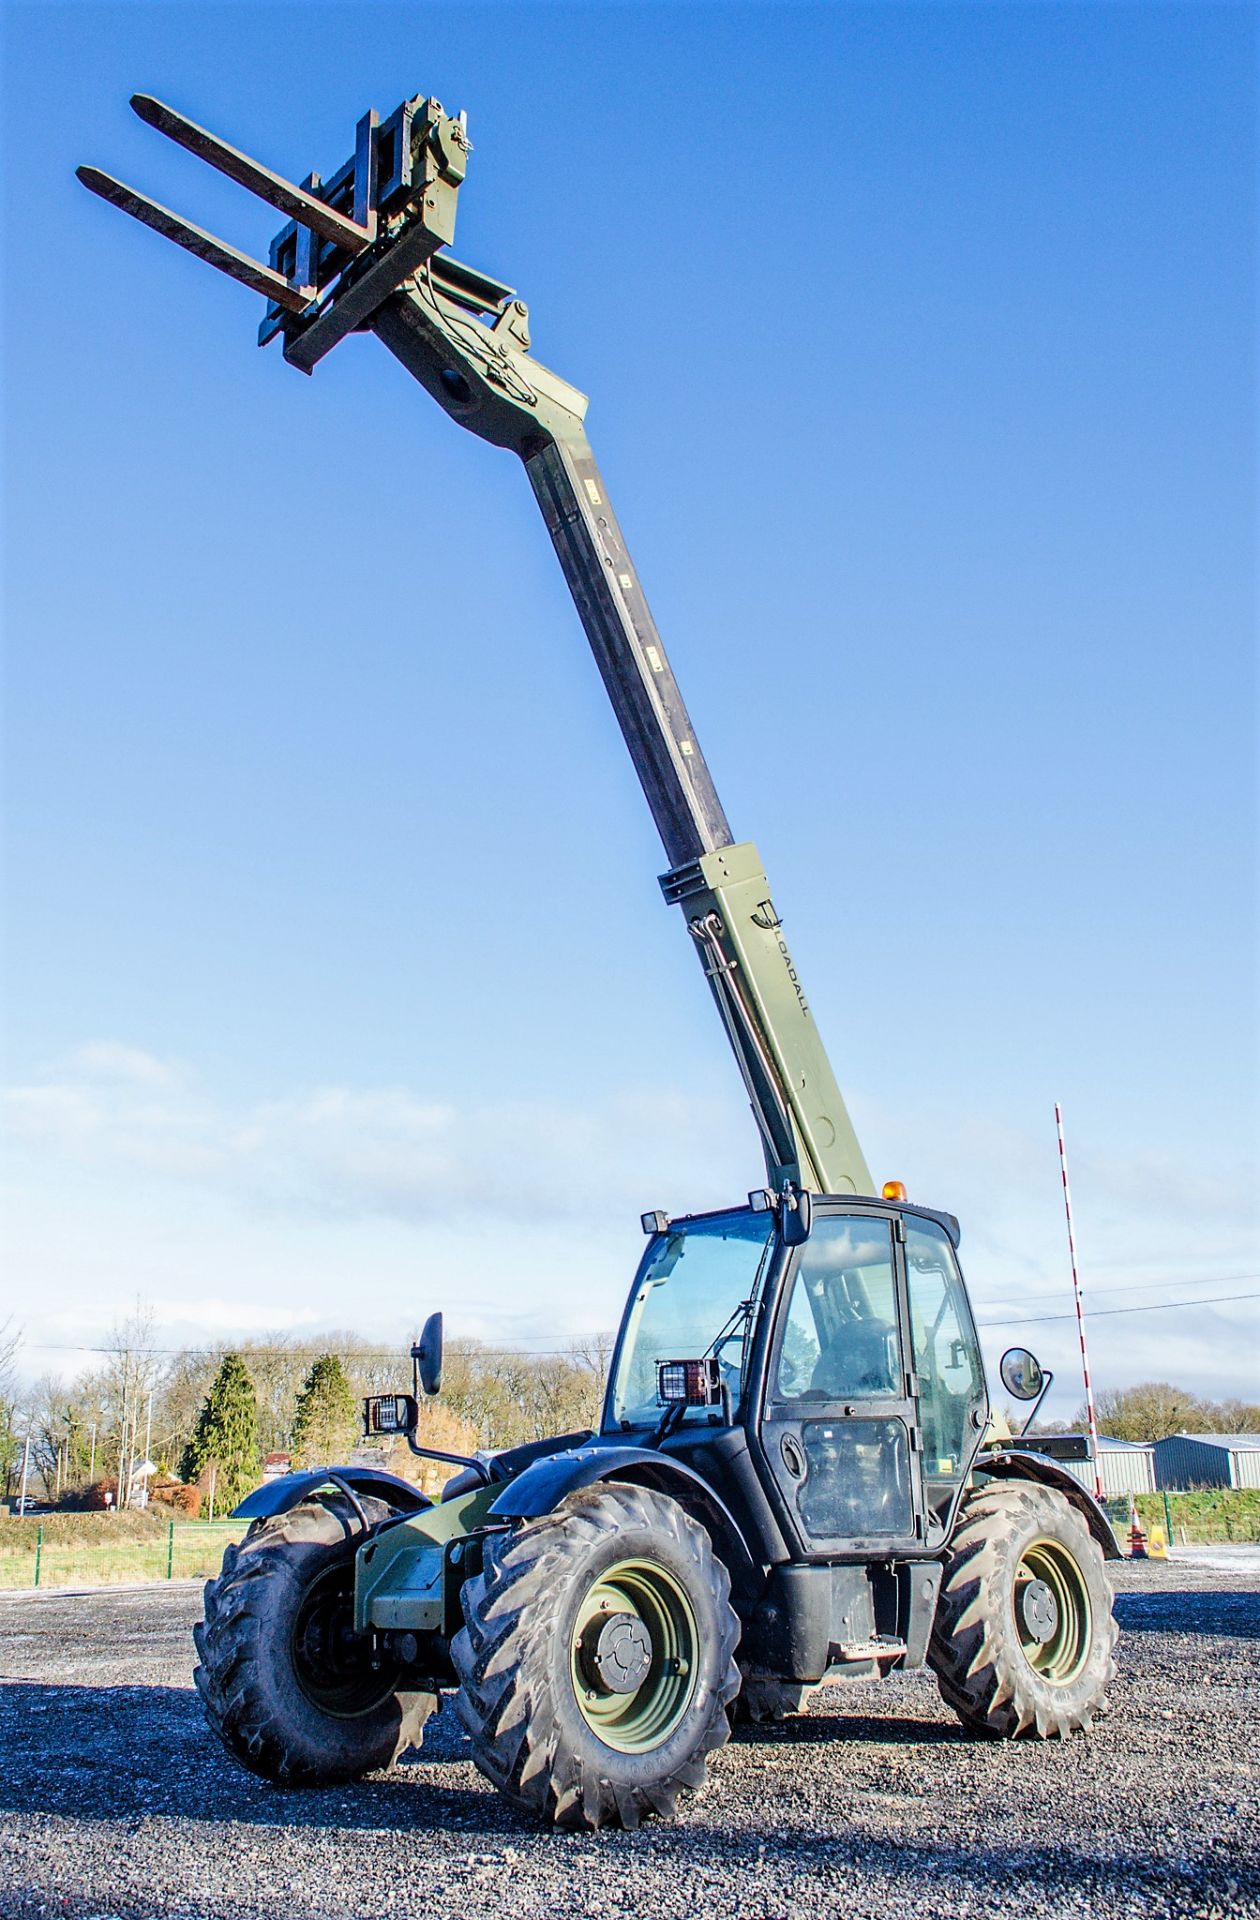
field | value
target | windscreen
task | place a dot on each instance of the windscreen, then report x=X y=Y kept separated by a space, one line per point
x=694 y=1296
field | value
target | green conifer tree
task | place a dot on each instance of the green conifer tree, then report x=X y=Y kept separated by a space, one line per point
x=226 y=1437
x=326 y=1424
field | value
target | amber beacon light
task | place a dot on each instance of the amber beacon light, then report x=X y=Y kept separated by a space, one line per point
x=894 y=1190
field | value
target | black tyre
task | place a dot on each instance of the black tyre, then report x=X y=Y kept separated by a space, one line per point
x=287 y=1686
x=1024 y=1636
x=598 y=1658
x=763 y=1699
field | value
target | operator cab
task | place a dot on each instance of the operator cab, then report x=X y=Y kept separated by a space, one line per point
x=846 y=1365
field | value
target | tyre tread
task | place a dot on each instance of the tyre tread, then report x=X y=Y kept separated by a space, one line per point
x=500 y=1656
x=236 y=1694
x=974 y=1651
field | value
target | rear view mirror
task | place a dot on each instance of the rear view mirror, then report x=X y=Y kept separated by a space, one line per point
x=427 y=1354
x=796 y=1217
x=1021 y=1373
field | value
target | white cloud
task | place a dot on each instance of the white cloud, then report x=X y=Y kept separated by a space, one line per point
x=233 y=1317
x=338 y=1205
x=111 y=1060
x=345 y=1152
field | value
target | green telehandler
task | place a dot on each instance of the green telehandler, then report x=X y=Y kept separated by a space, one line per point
x=796 y=1478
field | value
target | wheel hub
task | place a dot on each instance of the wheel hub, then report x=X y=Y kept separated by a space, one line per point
x=332 y=1664
x=1053 y=1612
x=633 y=1655
x=1040 y=1610
x=621 y=1654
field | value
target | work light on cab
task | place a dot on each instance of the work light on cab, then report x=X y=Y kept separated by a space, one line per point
x=387 y=1414
x=693 y=1383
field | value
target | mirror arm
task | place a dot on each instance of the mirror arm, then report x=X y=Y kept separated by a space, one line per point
x=1047 y=1382
x=451 y=1459
x=436 y=1453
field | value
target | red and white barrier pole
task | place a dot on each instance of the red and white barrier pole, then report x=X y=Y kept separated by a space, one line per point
x=1090 y=1415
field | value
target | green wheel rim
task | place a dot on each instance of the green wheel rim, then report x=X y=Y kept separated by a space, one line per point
x=1054 y=1635
x=664 y=1628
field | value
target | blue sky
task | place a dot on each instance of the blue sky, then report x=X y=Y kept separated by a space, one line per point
x=920 y=344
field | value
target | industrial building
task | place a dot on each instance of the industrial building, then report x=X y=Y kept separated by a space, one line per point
x=1125 y=1466
x=1186 y=1460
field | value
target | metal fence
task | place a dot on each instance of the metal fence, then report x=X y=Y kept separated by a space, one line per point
x=188 y=1549
x=1194 y=1516
x=1153 y=1508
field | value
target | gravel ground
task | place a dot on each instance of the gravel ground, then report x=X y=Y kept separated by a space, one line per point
x=115 y=1801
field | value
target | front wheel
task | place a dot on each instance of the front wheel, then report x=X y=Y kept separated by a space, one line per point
x=1024 y=1632
x=292 y=1692
x=597 y=1658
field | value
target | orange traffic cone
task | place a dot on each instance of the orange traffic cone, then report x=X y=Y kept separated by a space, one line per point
x=1137 y=1538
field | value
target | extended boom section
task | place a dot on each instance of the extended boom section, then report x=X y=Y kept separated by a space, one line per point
x=364 y=251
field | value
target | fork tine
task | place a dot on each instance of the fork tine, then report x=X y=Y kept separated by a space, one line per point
x=271 y=187
x=206 y=246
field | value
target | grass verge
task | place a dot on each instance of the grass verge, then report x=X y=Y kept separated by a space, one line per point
x=1207 y=1518
x=95 y=1557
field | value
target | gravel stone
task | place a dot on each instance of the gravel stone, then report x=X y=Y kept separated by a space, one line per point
x=116 y=1802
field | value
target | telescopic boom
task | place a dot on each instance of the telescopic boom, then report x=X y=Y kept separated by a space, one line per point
x=364 y=251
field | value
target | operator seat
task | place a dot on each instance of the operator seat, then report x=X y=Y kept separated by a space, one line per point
x=860 y=1360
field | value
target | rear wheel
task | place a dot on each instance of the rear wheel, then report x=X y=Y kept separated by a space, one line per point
x=1024 y=1632
x=597 y=1658
x=288 y=1686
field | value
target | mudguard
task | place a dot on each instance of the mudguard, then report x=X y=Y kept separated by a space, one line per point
x=542 y=1487
x=278 y=1496
x=1016 y=1463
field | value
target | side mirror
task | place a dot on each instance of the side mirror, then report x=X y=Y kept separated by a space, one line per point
x=1021 y=1373
x=796 y=1217
x=427 y=1354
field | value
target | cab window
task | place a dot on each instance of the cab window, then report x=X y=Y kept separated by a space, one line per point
x=840 y=1337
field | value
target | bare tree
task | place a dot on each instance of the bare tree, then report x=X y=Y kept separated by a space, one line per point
x=10 y=1341
x=132 y=1373
x=1234 y=1416
x=1148 y=1411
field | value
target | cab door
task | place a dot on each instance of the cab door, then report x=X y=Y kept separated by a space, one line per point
x=948 y=1369
x=839 y=1420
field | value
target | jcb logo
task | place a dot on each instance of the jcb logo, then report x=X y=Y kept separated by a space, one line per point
x=766 y=918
